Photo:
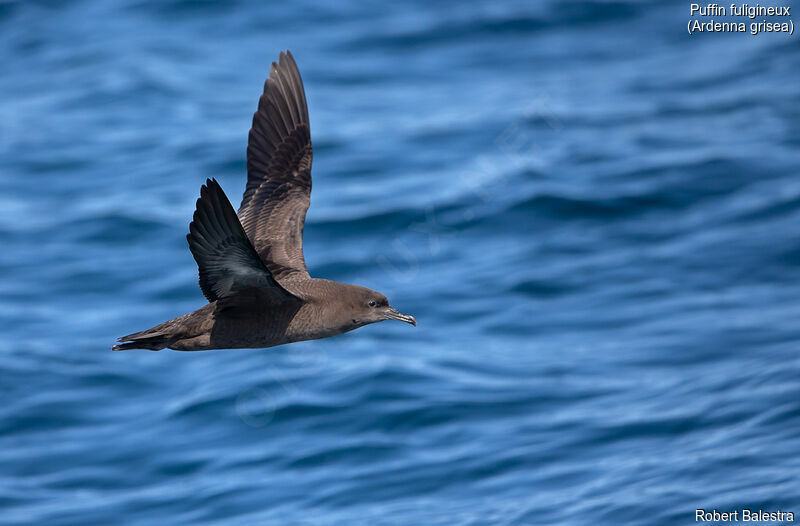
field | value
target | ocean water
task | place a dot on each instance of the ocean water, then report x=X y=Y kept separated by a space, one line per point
x=594 y=216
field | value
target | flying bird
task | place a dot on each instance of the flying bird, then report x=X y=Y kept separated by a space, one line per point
x=250 y=262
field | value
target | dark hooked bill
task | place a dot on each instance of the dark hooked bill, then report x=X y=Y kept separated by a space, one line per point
x=394 y=315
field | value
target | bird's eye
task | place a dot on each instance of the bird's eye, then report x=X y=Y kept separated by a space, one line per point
x=371 y=303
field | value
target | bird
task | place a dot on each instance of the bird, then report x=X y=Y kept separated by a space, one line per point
x=250 y=262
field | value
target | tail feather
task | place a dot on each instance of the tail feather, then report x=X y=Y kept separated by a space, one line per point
x=151 y=339
x=168 y=333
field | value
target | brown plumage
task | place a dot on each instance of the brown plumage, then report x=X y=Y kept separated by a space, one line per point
x=250 y=263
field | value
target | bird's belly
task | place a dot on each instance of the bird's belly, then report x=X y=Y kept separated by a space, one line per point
x=254 y=330
x=268 y=327
x=309 y=328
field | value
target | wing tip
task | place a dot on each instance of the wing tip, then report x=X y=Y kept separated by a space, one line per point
x=210 y=193
x=285 y=57
x=210 y=183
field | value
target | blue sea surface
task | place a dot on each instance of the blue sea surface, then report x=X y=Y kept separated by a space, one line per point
x=594 y=216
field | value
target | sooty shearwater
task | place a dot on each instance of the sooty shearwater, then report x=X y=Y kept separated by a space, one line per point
x=251 y=263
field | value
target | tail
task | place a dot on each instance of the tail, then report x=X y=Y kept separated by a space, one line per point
x=171 y=333
x=153 y=339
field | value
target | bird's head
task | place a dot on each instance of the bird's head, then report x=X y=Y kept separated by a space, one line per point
x=365 y=306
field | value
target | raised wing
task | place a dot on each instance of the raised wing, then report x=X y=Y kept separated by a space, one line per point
x=227 y=262
x=278 y=191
